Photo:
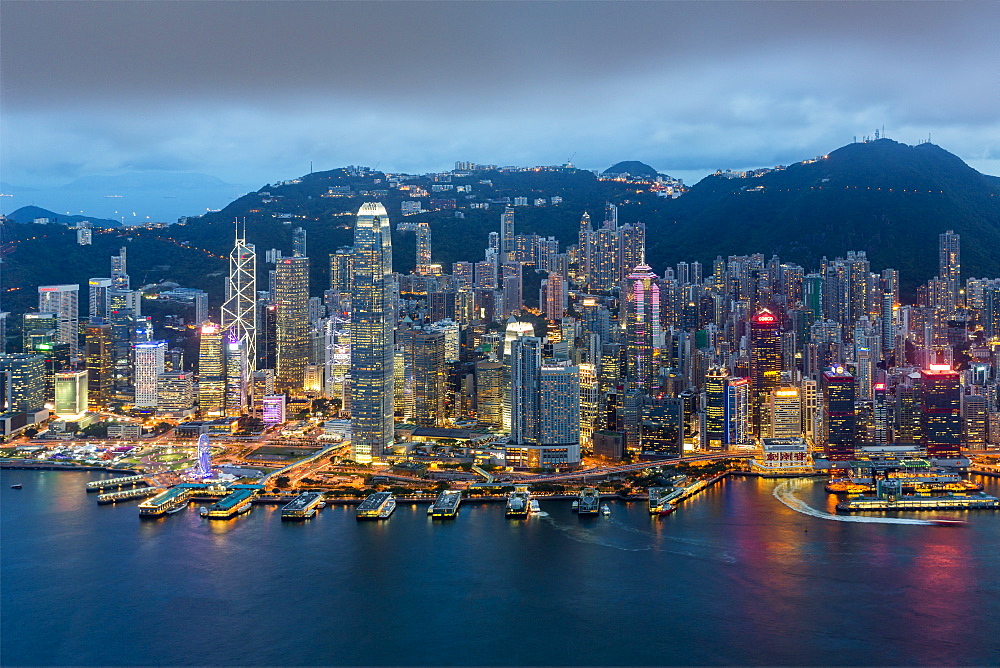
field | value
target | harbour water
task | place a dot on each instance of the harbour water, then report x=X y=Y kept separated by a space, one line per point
x=735 y=576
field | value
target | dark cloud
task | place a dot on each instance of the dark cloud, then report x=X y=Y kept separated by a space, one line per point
x=253 y=91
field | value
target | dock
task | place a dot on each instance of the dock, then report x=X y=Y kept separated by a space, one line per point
x=446 y=504
x=110 y=483
x=302 y=507
x=169 y=500
x=377 y=506
x=128 y=494
x=238 y=501
x=910 y=502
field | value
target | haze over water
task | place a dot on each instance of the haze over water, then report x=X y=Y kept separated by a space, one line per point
x=733 y=577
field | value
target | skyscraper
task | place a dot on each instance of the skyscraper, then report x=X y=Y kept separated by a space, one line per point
x=429 y=375
x=119 y=271
x=525 y=378
x=64 y=301
x=237 y=375
x=940 y=411
x=239 y=311
x=765 y=359
x=71 y=392
x=100 y=299
x=97 y=355
x=149 y=363
x=211 y=371
x=642 y=326
x=950 y=262
x=714 y=433
x=839 y=421
x=423 y=248
x=22 y=381
x=507 y=235
x=291 y=288
x=372 y=325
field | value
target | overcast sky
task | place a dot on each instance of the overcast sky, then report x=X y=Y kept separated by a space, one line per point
x=250 y=92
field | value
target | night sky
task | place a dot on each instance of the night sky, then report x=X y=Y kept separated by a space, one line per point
x=251 y=92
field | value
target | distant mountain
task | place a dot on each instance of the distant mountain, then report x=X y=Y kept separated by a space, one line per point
x=632 y=168
x=885 y=198
x=27 y=214
x=150 y=180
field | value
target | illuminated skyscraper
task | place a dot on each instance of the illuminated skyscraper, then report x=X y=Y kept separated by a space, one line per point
x=372 y=341
x=489 y=394
x=714 y=434
x=604 y=260
x=100 y=300
x=583 y=257
x=765 y=359
x=507 y=235
x=211 y=371
x=239 y=311
x=22 y=379
x=784 y=413
x=950 y=262
x=423 y=248
x=97 y=355
x=632 y=247
x=429 y=376
x=940 y=411
x=149 y=363
x=291 y=288
x=119 y=271
x=64 y=301
x=642 y=326
x=71 y=392
x=839 y=420
x=525 y=378
x=237 y=375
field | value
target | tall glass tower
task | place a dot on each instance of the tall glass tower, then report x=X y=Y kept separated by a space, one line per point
x=372 y=325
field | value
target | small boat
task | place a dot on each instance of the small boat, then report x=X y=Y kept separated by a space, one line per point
x=17 y=486
x=576 y=505
x=605 y=510
x=949 y=523
x=535 y=508
x=321 y=504
x=203 y=511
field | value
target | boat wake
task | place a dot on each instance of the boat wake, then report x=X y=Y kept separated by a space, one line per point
x=785 y=492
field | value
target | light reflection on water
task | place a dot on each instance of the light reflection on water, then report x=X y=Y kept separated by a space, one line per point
x=732 y=577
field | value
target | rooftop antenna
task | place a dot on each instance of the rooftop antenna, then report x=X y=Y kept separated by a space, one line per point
x=310 y=167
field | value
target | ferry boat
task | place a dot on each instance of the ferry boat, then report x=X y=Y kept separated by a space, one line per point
x=177 y=509
x=605 y=510
x=203 y=511
x=519 y=503
x=446 y=504
x=377 y=506
x=666 y=509
x=302 y=507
